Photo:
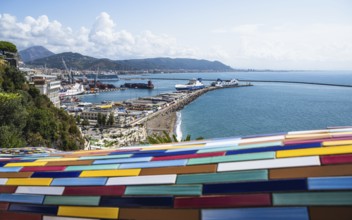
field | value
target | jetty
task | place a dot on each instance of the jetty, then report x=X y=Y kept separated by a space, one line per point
x=249 y=81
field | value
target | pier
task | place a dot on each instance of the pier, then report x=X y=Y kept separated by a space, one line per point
x=246 y=80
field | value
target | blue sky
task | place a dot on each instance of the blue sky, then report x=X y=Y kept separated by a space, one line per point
x=292 y=34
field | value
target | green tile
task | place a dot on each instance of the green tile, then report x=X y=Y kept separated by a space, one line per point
x=313 y=198
x=222 y=177
x=72 y=200
x=105 y=157
x=93 y=167
x=164 y=190
x=232 y=158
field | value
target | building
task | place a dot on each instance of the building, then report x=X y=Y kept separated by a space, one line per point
x=92 y=113
x=49 y=86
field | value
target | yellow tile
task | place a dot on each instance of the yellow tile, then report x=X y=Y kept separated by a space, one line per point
x=92 y=212
x=29 y=181
x=99 y=173
x=26 y=164
x=314 y=151
x=336 y=143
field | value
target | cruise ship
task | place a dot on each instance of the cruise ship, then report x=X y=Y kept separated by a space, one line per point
x=225 y=83
x=76 y=89
x=193 y=84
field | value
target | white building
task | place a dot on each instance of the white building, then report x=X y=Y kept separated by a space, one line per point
x=49 y=86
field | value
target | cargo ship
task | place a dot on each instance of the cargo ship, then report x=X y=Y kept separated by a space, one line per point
x=148 y=85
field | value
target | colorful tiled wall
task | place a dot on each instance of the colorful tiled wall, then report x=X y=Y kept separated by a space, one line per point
x=297 y=175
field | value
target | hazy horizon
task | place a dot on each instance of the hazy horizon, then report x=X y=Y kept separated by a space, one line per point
x=254 y=34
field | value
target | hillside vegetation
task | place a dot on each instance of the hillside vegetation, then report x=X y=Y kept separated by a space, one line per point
x=28 y=118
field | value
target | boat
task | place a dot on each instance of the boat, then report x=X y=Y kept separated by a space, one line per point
x=148 y=85
x=225 y=83
x=76 y=89
x=193 y=84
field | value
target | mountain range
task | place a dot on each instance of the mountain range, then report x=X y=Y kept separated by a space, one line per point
x=40 y=56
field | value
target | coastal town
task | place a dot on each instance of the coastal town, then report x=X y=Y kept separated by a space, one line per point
x=117 y=123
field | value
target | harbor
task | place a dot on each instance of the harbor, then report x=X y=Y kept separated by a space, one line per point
x=133 y=119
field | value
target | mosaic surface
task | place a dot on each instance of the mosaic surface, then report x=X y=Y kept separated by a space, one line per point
x=298 y=175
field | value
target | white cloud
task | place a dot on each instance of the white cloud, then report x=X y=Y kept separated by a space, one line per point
x=103 y=39
x=313 y=46
x=289 y=46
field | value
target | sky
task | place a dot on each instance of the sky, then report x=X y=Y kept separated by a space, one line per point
x=255 y=34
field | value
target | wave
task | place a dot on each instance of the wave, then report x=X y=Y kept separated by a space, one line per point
x=178 y=130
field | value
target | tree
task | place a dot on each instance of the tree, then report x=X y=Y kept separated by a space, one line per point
x=7 y=47
x=85 y=122
x=111 y=119
x=78 y=119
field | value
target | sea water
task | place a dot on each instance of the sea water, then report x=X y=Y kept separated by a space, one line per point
x=262 y=108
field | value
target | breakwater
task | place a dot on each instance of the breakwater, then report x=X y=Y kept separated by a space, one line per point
x=249 y=80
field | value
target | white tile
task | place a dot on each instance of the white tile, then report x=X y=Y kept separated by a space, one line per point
x=267 y=164
x=308 y=132
x=142 y=180
x=3 y=181
x=260 y=139
x=41 y=190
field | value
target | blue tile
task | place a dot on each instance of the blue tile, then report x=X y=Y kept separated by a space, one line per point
x=286 y=213
x=21 y=198
x=330 y=183
x=123 y=160
x=274 y=148
x=10 y=169
x=79 y=181
x=149 y=153
x=123 y=152
x=22 y=161
x=40 y=209
x=64 y=174
x=137 y=201
x=259 y=186
x=168 y=163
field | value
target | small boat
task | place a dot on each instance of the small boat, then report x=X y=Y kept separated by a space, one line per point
x=193 y=84
x=225 y=83
x=148 y=85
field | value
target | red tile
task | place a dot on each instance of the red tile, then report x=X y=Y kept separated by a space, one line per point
x=45 y=168
x=8 y=189
x=4 y=206
x=336 y=159
x=248 y=200
x=19 y=216
x=95 y=190
x=188 y=156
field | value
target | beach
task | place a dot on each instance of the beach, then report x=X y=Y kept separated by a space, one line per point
x=163 y=122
